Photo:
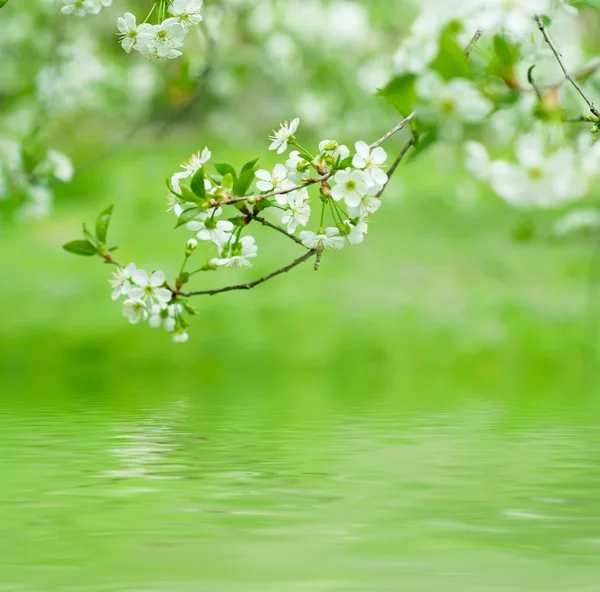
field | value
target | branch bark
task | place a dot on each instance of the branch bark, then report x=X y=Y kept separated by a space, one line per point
x=568 y=76
x=250 y=285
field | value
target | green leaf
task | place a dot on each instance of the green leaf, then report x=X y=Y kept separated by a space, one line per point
x=80 y=247
x=226 y=169
x=249 y=165
x=546 y=20
x=400 y=93
x=102 y=224
x=240 y=187
x=188 y=215
x=227 y=182
x=2 y=3
x=197 y=184
x=451 y=61
x=87 y=234
x=506 y=52
x=425 y=141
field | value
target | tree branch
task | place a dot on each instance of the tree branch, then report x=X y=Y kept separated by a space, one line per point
x=250 y=285
x=283 y=231
x=568 y=76
x=394 y=130
x=394 y=166
x=308 y=182
x=473 y=42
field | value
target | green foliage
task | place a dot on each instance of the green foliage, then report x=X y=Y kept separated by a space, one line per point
x=3 y=3
x=197 y=184
x=243 y=182
x=400 y=93
x=102 y=224
x=225 y=169
x=451 y=61
x=188 y=215
x=227 y=181
x=81 y=247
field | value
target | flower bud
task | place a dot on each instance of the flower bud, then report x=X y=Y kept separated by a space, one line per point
x=192 y=244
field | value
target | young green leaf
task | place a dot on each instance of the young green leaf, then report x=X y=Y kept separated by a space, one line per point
x=102 y=224
x=400 y=93
x=226 y=169
x=240 y=187
x=506 y=52
x=451 y=62
x=87 y=234
x=227 y=182
x=197 y=184
x=188 y=215
x=3 y=2
x=249 y=165
x=80 y=247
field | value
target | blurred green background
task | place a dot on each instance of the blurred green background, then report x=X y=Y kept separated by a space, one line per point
x=421 y=414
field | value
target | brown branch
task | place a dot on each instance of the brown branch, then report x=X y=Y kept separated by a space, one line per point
x=308 y=182
x=394 y=130
x=568 y=76
x=250 y=285
x=473 y=42
x=398 y=160
x=275 y=227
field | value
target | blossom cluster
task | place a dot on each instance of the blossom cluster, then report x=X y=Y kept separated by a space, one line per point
x=349 y=193
x=146 y=298
x=157 y=41
x=162 y=40
x=350 y=185
x=26 y=177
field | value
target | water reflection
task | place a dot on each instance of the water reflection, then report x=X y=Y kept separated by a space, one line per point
x=477 y=498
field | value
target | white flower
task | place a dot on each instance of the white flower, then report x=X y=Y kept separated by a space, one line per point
x=57 y=165
x=180 y=337
x=239 y=254
x=187 y=12
x=122 y=281
x=478 y=161
x=450 y=102
x=129 y=31
x=209 y=229
x=269 y=181
x=330 y=239
x=577 y=221
x=357 y=232
x=513 y=17
x=351 y=187
x=370 y=161
x=190 y=168
x=135 y=310
x=165 y=316
x=82 y=7
x=539 y=179
x=369 y=204
x=299 y=210
x=148 y=288
x=161 y=41
x=296 y=166
x=281 y=137
x=331 y=147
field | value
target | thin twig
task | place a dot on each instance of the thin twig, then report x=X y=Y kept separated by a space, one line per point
x=394 y=130
x=250 y=285
x=394 y=166
x=308 y=182
x=473 y=42
x=558 y=55
x=275 y=227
